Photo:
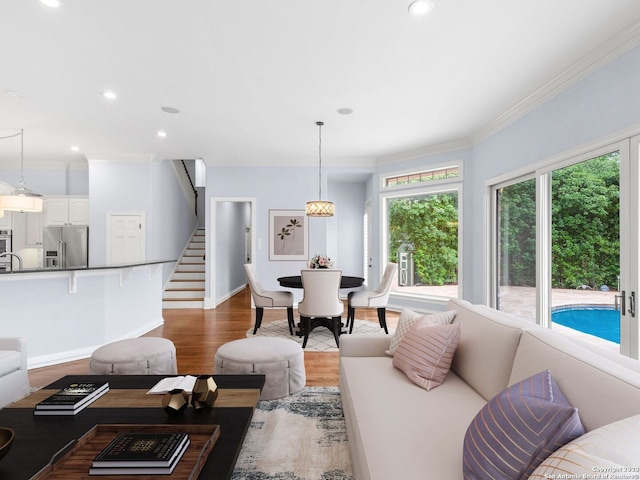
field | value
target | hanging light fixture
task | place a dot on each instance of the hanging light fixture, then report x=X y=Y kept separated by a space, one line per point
x=320 y=208
x=21 y=200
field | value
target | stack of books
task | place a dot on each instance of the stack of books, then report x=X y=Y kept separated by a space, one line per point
x=141 y=454
x=71 y=399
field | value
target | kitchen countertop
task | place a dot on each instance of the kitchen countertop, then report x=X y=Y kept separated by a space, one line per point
x=85 y=269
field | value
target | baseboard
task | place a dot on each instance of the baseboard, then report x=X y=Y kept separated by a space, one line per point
x=82 y=353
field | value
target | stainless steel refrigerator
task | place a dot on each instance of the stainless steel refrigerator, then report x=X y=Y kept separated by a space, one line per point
x=66 y=247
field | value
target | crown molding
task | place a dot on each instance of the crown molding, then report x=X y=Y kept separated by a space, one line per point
x=607 y=52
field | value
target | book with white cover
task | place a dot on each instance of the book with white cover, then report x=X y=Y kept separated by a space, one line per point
x=165 y=385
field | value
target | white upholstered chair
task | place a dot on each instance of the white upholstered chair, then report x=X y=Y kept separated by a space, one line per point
x=321 y=305
x=14 y=380
x=268 y=298
x=377 y=298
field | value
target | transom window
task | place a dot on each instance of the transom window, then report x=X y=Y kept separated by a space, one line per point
x=422 y=176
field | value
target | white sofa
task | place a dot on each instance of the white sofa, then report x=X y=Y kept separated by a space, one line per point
x=399 y=430
x=14 y=380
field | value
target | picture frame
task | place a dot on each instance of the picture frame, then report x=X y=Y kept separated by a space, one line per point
x=288 y=235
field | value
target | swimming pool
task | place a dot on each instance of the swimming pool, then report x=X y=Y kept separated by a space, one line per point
x=601 y=321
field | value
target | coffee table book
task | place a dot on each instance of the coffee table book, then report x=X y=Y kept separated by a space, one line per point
x=75 y=460
x=149 y=449
x=71 y=399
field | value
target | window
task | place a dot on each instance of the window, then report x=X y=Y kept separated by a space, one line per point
x=565 y=244
x=422 y=231
x=424 y=176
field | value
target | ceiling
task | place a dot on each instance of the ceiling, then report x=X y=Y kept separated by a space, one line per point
x=251 y=77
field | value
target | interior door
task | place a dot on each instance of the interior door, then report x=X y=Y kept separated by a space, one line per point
x=126 y=239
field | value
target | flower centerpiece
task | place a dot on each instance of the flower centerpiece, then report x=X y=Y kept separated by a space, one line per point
x=320 y=261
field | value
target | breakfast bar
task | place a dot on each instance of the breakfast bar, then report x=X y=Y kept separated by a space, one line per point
x=65 y=314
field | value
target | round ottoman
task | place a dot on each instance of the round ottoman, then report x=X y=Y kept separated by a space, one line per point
x=279 y=359
x=135 y=356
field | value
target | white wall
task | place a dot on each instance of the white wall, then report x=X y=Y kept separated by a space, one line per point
x=231 y=220
x=50 y=181
x=345 y=229
x=604 y=103
x=139 y=186
x=286 y=188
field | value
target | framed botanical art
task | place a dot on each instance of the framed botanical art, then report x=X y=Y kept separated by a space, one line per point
x=288 y=235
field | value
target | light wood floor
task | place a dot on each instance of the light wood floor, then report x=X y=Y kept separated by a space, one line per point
x=197 y=334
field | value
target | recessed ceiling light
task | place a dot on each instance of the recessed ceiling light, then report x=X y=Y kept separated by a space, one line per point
x=74 y=148
x=345 y=111
x=51 y=3
x=420 y=7
x=109 y=94
x=169 y=110
x=161 y=134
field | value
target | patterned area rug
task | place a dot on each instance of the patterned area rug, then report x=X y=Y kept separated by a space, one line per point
x=320 y=340
x=299 y=437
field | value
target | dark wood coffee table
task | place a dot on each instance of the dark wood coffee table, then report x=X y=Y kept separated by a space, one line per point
x=39 y=438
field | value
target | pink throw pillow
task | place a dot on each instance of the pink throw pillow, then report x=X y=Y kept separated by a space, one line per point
x=426 y=351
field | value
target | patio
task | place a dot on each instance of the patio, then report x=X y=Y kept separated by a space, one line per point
x=521 y=302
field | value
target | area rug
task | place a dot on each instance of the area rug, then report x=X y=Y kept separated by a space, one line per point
x=299 y=437
x=320 y=340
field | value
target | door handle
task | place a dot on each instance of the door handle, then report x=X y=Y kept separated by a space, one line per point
x=632 y=304
x=620 y=302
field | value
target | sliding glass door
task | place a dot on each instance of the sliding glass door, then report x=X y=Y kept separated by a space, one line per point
x=566 y=246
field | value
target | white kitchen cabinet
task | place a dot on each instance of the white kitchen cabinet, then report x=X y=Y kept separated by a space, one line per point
x=5 y=222
x=33 y=229
x=59 y=211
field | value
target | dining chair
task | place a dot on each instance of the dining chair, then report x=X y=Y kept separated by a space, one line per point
x=321 y=304
x=377 y=298
x=268 y=298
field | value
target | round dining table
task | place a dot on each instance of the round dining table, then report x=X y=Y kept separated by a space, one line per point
x=295 y=281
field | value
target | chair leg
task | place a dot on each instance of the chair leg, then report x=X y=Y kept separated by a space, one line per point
x=305 y=327
x=290 y=319
x=382 y=318
x=351 y=311
x=259 y=312
x=337 y=329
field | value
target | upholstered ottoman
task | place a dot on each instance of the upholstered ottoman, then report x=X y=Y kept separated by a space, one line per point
x=135 y=356
x=279 y=359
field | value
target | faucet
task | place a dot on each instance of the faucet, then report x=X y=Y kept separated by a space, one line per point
x=6 y=254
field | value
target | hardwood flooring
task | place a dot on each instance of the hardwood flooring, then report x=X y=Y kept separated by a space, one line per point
x=197 y=334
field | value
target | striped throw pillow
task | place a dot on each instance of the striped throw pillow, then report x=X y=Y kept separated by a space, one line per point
x=611 y=448
x=426 y=351
x=409 y=318
x=518 y=429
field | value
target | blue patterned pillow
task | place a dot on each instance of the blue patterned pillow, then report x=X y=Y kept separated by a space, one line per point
x=518 y=429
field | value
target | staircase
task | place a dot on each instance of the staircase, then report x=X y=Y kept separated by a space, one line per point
x=186 y=286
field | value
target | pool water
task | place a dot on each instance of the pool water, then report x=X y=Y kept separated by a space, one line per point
x=603 y=322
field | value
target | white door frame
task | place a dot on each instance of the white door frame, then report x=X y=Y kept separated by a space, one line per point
x=210 y=247
x=143 y=229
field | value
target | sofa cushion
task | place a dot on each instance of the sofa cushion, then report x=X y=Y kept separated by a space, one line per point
x=409 y=318
x=518 y=429
x=591 y=383
x=399 y=431
x=426 y=351
x=486 y=350
x=9 y=361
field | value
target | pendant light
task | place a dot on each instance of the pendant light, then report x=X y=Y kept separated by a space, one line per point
x=20 y=200
x=320 y=208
